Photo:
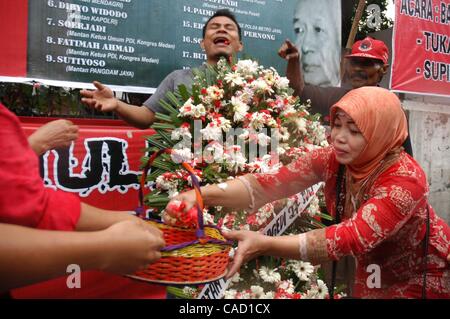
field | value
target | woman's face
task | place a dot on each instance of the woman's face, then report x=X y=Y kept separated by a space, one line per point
x=346 y=138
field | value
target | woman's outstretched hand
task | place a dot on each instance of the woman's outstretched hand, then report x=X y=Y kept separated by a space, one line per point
x=180 y=208
x=250 y=245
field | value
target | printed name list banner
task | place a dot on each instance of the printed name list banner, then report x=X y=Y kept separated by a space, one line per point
x=130 y=45
x=421 y=55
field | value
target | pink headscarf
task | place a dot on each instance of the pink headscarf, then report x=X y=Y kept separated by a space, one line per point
x=379 y=116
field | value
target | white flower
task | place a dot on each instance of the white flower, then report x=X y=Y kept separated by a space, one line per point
x=313 y=208
x=244 y=135
x=190 y=109
x=230 y=294
x=246 y=95
x=269 y=275
x=289 y=110
x=236 y=277
x=234 y=159
x=261 y=86
x=317 y=291
x=223 y=123
x=181 y=155
x=167 y=183
x=212 y=132
x=235 y=79
x=287 y=285
x=281 y=82
x=322 y=289
x=257 y=120
x=243 y=295
x=264 y=213
x=269 y=76
x=199 y=110
x=302 y=269
x=240 y=109
x=189 y=291
x=172 y=193
x=214 y=153
x=268 y=295
x=301 y=125
x=246 y=67
x=186 y=109
x=263 y=139
x=281 y=150
x=281 y=134
x=258 y=291
x=215 y=92
x=180 y=132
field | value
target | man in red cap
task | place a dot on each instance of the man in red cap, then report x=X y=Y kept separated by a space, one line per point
x=367 y=64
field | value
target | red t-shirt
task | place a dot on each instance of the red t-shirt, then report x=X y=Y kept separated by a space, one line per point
x=23 y=198
x=25 y=201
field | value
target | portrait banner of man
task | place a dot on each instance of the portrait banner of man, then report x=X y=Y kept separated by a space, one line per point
x=317 y=28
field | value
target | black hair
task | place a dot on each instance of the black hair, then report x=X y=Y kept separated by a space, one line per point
x=223 y=13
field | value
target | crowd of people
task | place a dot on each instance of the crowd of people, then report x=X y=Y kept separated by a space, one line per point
x=373 y=186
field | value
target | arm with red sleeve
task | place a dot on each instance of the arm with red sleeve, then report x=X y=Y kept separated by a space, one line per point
x=293 y=178
x=23 y=199
x=377 y=220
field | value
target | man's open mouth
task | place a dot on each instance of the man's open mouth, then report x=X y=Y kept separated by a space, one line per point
x=221 y=40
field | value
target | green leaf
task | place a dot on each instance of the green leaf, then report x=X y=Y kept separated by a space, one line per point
x=176 y=120
x=195 y=93
x=173 y=99
x=166 y=137
x=169 y=108
x=155 y=200
x=178 y=292
x=325 y=216
x=155 y=174
x=163 y=117
x=158 y=163
x=317 y=224
x=184 y=92
x=163 y=126
x=158 y=144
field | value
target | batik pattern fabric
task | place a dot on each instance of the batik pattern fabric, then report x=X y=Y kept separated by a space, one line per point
x=385 y=234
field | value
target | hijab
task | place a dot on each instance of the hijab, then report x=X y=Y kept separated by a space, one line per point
x=379 y=116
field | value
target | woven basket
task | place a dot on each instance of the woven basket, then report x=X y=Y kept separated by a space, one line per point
x=191 y=256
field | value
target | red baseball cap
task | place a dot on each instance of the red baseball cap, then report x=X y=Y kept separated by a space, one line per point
x=370 y=48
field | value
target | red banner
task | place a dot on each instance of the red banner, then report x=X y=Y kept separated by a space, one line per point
x=421 y=42
x=13 y=38
x=102 y=168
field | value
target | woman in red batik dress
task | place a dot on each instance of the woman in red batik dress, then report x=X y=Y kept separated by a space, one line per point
x=383 y=203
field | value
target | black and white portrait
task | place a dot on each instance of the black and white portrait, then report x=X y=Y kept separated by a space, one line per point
x=317 y=27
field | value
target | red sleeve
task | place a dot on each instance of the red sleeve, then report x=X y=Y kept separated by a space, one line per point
x=394 y=200
x=23 y=198
x=291 y=179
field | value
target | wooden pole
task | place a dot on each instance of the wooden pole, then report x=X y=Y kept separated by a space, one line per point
x=352 y=35
x=354 y=29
